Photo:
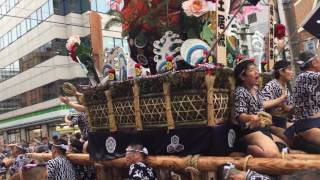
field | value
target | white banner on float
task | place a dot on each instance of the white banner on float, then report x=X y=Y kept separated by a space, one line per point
x=271 y=35
x=222 y=14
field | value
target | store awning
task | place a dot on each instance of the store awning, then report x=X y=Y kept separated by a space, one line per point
x=56 y=115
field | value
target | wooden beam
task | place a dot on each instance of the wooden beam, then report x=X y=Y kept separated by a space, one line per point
x=277 y=166
x=96 y=40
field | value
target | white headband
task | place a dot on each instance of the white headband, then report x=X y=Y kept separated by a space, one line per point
x=302 y=64
x=144 y=150
x=63 y=146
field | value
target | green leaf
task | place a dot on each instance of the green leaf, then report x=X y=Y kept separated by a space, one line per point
x=207 y=34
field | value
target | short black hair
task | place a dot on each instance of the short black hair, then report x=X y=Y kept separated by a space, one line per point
x=279 y=66
x=59 y=142
x=77 y=146
x=239 y=69
x=304 y=57
x=55 y=137
x=77 y=135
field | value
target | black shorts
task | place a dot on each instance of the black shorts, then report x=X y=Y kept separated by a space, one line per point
x=279 y=122
x=301 y=126
x=245 y=131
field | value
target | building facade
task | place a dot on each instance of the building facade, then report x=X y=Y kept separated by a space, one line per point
x=34 y=62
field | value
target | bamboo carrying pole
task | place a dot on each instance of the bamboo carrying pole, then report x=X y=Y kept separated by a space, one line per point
x=111 y=117
x=167 y=101
x=277 y=166
x=232 y=82
x=136 y=104
x=209 y=79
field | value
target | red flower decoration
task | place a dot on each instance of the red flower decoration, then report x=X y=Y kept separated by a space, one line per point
x=132 y=11
x=73 y=53
x=155 y=2
x=169 y=58
x=264 y=62
x=252 y=59
x=239 y=57
x=280 y=31
x=112 y=71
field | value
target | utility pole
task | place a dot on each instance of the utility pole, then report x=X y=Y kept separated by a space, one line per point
x=294 y=37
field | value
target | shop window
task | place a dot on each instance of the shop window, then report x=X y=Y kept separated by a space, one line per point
x=14 y=136
x=9 y=37
x=94 y=5
x=14 y=34
x=74 y=6
x=59 y=7
x=101 y=6
x=34 y=20
x=18 y=30
x=34 y=133
x=11 y=4
x=85 y=5
x=39 y=15
x=28 y=24
x=23 y=27
x=51 y=11
x=3 y=9
x=1 y=43
x=45 y=11
x=5 y=40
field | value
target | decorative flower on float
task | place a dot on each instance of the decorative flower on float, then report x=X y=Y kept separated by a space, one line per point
x=115 y=5
x=147 y=15
x=81 y=54
x=138 y=70
x=279 y=31
x=279 y=40
x=197 y=8
x=245 y=11
x=72 y=45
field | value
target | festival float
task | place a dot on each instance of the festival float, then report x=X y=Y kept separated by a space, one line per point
x=173 y=93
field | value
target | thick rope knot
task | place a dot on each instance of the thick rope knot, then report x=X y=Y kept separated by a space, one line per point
x=246 y=160
x=192 y=165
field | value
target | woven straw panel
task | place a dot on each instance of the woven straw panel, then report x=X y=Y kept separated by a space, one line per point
x=221 y=106
x=189 y=108
x=99 y=115
x=124 y=112
x=153 y=111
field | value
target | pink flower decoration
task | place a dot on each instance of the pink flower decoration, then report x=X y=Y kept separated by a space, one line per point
x=246 y=10
x=115 y=4
x=197 y=7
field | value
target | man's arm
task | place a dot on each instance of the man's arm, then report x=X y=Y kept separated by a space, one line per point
x=76 y=106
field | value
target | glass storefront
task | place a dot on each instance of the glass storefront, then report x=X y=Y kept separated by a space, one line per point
x=58 y=129
x=33 y=133
x=14 y=136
